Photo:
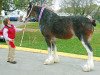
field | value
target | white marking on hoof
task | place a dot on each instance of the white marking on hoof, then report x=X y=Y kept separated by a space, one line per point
x=50 y=60
x=56 y=58
x=88 y=66
x=91 y=65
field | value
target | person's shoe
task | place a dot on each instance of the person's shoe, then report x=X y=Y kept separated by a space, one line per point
x=12 y=62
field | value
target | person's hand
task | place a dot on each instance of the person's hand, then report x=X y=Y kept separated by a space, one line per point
x=11 y=40
x=23 y=29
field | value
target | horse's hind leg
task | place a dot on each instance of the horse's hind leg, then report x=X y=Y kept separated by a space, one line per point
x=90 y=64
x=50 y=59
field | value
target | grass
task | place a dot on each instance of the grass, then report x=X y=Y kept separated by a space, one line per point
x=31 y=25
x=0 y=22
x=96 y=41
x=34 y=39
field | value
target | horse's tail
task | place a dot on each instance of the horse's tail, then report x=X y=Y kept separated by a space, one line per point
x=92 y=20
x=93 y=23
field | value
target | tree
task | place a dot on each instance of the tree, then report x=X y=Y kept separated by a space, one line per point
x=42 y=2
x=11 y=5
x=8 y=5
x=78 y=7
x=0 y=6
x=97 y=14
x=39 y=2
x=20 y=4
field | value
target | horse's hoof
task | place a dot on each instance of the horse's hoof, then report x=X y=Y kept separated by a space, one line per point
x=56 y=59
x=92 y=65
x=88 y=67
x=50 y=60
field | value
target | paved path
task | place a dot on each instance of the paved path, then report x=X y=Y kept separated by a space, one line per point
x=17 y=23
x=29 y=63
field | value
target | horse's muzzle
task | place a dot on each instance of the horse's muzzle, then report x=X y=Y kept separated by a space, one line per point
x=26 y=19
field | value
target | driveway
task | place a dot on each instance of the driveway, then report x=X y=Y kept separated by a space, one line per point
x=17 y=23
x=29 y=63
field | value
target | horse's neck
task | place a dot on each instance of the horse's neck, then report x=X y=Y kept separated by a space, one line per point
x=46 y=12
x=38 y=10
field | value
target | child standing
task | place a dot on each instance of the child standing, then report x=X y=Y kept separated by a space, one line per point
x=9 y=33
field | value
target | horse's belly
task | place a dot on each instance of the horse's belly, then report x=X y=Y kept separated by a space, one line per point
x=68 y=36
x=64 y=36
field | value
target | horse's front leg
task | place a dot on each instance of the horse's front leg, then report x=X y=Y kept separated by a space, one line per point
x=50 y=59
x=56 y=57
x=89 y=64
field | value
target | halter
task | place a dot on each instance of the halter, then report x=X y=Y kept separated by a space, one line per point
x=29 y=12
x=25 y=27
x=40 y=15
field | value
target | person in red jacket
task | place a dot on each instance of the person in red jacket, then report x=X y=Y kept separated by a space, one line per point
x=9 y=33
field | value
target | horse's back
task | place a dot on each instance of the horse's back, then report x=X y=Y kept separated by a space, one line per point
x=82 y=26
x=64 y=27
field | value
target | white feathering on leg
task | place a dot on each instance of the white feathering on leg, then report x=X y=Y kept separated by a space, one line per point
x=50 y=59
x=90 y=64
x=56 y=57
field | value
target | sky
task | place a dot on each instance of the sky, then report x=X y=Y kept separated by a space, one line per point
x=98 y=2
x=56 y=4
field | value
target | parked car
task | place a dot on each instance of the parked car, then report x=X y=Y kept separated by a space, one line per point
x=13 y=18
x=1 y=37
x=32 y=19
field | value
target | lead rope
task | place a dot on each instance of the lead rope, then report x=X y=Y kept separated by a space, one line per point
x=24 y=28
x=22 y=36
x=25 y=24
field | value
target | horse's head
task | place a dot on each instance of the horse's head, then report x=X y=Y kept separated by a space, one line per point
x=31 y=11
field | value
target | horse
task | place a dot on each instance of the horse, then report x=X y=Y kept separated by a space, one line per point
x=53 y=26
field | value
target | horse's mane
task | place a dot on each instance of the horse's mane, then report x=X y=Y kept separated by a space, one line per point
x=47 y=10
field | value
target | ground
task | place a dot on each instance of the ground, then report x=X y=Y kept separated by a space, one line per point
x=29 y=63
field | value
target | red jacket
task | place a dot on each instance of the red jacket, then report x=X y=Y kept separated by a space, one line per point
x=11 y=31
x=1 y=33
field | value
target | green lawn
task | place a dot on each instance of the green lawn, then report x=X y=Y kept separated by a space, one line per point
x=0 y=22
x=34 y=39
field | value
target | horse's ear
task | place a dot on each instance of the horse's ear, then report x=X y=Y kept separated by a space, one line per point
x=30 y=4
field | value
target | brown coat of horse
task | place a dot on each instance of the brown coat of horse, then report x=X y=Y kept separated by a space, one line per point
x=64 y=27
